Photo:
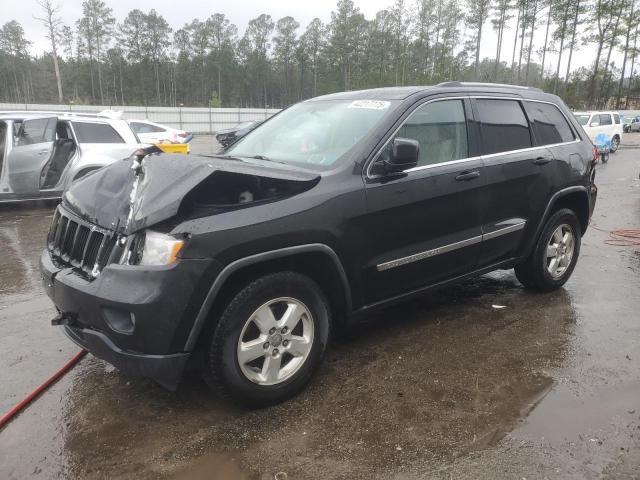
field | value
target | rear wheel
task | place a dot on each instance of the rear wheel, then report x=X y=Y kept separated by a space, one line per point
x=615 y=143
x=555 y=255
x=269 y=340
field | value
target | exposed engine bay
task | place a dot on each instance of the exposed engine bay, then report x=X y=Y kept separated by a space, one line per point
x=224 y=190
x=150 y=188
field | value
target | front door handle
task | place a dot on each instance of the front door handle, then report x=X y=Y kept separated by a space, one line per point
x=541 y=161
x=466 y=176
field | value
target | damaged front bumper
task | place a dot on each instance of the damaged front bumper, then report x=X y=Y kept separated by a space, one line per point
x=136 y=318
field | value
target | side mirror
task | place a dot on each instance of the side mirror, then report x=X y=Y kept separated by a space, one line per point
x=405 y=153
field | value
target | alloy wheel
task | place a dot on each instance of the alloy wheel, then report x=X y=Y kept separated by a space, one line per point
x=275 y=341
x=560 y=251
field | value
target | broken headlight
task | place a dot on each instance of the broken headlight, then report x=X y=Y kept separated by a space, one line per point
x=155 y=248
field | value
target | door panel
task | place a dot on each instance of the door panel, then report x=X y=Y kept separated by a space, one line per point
x=425 y=227
x=422 y=229
x=32 y=150
x=518 y=189
x=517 y=186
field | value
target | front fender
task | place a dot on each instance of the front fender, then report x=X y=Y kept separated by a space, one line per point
x=227 y=271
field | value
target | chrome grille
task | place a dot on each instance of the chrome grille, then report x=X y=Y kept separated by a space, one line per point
x=79 y=244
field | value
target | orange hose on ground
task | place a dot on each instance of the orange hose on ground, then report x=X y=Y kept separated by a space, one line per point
x=7 y=417
x=622 y=237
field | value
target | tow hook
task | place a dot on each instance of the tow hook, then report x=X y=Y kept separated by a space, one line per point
x=64 y=318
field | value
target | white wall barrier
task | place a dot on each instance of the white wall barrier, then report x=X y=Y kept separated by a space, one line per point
x=191 y=119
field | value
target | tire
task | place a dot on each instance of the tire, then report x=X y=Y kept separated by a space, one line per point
x=604 y=157
x=534 y=273
x=615 y=143
x=253 y=383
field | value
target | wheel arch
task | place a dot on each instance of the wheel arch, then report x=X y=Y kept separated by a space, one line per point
x=318 y=261
x=575 y=198
x=84 y=171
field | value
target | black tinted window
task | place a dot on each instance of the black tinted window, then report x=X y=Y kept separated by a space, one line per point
x=504 y=126
x=96 y=133
x=548 y=123
x=605 y=119
x=441 y=130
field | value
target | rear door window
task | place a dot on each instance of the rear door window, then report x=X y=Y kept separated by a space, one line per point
x=549 y=124
x=504 y=126
x=87 y=132
x=605 y=119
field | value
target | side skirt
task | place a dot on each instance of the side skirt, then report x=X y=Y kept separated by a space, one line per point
x=365 y=310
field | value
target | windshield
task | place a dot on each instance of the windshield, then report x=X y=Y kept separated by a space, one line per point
x=313 y=133
x=582 y=119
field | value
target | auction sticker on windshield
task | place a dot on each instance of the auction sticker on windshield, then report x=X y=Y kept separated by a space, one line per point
x=370 y=104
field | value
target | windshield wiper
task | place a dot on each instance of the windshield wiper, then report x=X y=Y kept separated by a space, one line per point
x=259 y=157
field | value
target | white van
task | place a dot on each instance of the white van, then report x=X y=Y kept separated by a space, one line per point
x=608 y=123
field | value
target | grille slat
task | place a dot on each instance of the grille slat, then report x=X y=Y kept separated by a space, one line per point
x=62 y=227
x=91 y=254
x=79 y=245
x=69 y=235
x=75 y=242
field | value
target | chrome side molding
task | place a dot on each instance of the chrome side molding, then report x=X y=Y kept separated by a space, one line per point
x=450 y=247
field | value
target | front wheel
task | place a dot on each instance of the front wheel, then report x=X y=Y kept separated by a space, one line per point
x=269 y=340
x=555 y=255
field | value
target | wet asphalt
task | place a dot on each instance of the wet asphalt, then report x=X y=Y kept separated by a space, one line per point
x=447 y=386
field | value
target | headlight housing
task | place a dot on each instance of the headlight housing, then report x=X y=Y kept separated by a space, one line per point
x=159 y=249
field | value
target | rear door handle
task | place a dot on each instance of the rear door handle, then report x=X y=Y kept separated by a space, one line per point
x=43 y=152
x=542 y=160
x=466 y=176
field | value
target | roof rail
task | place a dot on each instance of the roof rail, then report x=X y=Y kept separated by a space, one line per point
x=483 y=84
x=53 y=112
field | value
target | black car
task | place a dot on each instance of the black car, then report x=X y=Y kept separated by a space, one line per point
x=242 y=265
x=228 y=136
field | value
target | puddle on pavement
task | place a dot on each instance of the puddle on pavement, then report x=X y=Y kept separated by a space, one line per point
x=211 y=467
x=565 y=416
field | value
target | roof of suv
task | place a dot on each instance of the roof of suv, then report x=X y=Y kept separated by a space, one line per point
x=400 y=93
x=20 y=115
x=591 y=112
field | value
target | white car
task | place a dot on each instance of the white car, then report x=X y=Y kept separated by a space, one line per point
x=608 y=123
x=41 y=153
x=150 y=132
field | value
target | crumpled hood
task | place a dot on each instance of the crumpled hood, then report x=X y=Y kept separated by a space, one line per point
x=126 y=199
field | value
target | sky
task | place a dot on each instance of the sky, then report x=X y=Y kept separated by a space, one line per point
x=241 y=11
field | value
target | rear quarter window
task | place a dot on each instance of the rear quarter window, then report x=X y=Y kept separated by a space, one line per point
x=87 y=132
x=616 y=118
x=549 y=124
x=504 y=126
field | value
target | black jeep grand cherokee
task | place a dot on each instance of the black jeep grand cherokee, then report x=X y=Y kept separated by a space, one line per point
x=241 y=264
